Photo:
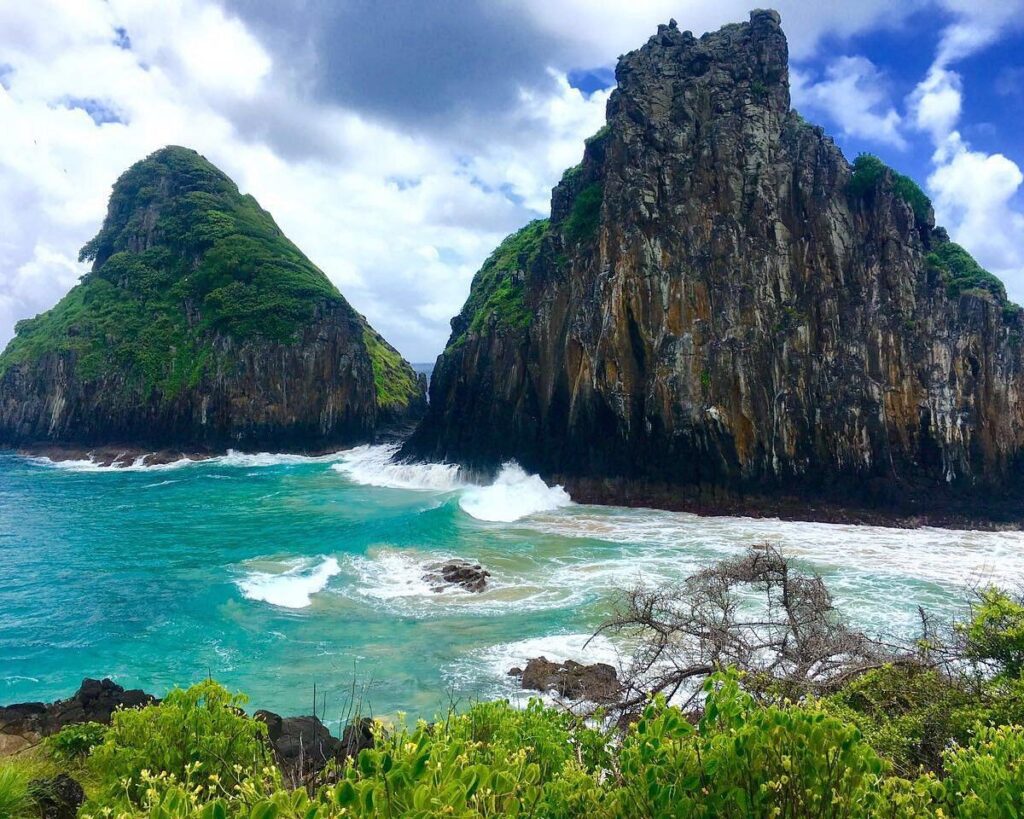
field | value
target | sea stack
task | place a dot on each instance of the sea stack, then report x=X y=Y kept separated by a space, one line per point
x=722 y=312
x=200 y=327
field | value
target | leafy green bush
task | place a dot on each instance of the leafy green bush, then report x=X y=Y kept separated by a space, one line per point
x=744 y=760
x=493 y=760
x=985 y=779
x=908 y=713
x=994 y=634
x=195 y=738
x=75 y=742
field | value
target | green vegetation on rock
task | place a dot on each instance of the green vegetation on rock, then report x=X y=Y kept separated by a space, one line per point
x=868 y=172
x=496 y=294
x=182 y=257
x=393 y=377
x=581 y=224
x=962 y=274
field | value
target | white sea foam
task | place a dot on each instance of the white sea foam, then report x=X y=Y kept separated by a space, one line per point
x=513 y=495
x=945 y=556
x=119 y=464
x=292 y=588
x=140 y=463
x=374 y=466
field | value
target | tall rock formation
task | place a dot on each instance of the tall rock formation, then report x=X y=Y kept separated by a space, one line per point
x=201 y=327
x=722 y=308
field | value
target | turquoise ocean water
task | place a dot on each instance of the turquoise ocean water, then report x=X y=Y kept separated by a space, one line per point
x=278 y=573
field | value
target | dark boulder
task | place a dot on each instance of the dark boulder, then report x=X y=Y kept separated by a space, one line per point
x=303 y=746
x=470 y=576
x=596 y=683
x=59 y=797
x=95 y=701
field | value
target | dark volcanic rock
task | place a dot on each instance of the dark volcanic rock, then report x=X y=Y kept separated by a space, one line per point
x=59 y=797
x=95 y=701
x=470 y=576
x=597 y=683
x=303 y=745
x=199 y=327
x=717 y=309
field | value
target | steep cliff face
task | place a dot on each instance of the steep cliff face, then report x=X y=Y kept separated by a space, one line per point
x=200 y=326
x=721 y=305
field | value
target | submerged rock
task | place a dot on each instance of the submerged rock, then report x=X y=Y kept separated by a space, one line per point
x=470 y=576
x=596 y=683
x=722 y=307
x=199 y=327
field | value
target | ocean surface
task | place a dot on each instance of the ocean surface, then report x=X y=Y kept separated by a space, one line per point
x=280 y=575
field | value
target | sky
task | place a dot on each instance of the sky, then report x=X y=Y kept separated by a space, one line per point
x=398 y=141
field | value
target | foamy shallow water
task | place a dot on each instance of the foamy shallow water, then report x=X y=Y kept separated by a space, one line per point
x=275 y=572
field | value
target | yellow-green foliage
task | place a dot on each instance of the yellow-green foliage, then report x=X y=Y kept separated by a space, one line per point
x=181 y=256
x=195 y=755
x=393 y=378
x=196 y=740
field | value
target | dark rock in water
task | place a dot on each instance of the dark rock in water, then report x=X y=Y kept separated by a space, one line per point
x=303 y=745
x=95 y=701
x=597 y=683
x=57 y=798
x=470 y=576
x=723 y=312
x=202 y=327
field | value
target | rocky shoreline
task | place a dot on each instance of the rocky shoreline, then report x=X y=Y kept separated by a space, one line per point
x=906 y=513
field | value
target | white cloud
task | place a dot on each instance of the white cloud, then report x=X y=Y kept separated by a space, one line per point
x=936 y=102
x=399 y=218
x=363 y=207
x=853 y=95
x=973 y=192
x=973 y=196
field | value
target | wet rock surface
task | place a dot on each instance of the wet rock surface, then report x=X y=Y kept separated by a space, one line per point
x=597 y=683
x=469 y=576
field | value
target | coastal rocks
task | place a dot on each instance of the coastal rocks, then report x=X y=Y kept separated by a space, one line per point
x=200 y=327
x=469 y=576
x=723 y=312
x=95 y=701
x=303 y=746
x=597 y=683
x=59 y=797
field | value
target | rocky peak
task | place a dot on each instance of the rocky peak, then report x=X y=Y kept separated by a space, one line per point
x=722 y=308
x=200 y=326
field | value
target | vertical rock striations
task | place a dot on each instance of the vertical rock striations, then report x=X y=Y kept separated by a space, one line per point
x=722 y=307
x=202 y=327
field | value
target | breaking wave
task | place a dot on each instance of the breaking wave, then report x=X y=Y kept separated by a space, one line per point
x=512 y=495
x=374 y=466
x=292 y=588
